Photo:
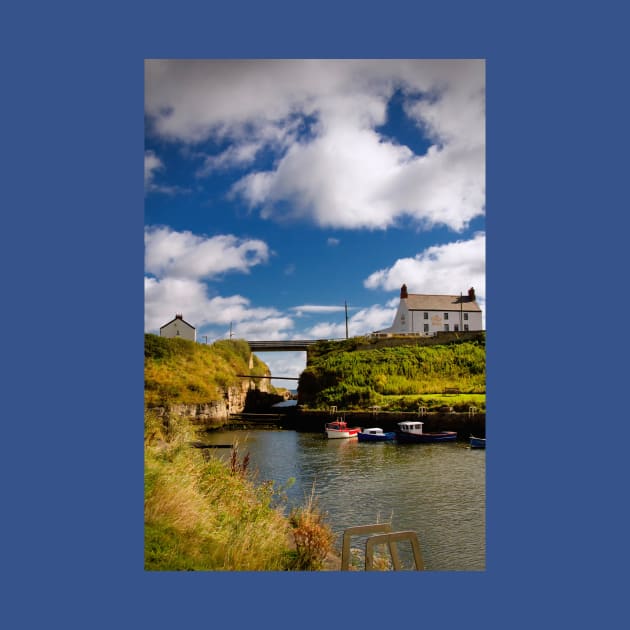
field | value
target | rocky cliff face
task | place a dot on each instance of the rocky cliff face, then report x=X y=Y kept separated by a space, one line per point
x=214 y=412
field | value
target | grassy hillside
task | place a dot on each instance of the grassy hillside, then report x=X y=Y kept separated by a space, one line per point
x=181 y=371
x=395 y=378
x=203 y=514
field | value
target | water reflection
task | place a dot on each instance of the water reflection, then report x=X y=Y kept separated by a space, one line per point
x=436 y=490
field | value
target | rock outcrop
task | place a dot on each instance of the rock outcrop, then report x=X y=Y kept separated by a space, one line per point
x=215 y=412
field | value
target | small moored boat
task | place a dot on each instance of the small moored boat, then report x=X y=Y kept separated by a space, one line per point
x=409 y=431
x=340 y=429
x=375 y=434
x=477 y=442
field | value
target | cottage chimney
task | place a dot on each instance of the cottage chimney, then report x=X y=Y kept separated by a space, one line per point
x=178 y=316
x=471 y=294
x=403 y=291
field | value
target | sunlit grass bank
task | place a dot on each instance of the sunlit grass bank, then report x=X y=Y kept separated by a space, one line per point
x=395 y=378
x=181 y=371
x=203 y=514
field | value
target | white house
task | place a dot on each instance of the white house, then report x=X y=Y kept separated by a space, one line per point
x=427 y=314
x=179 y=328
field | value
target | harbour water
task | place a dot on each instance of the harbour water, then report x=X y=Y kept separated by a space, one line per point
x=436 y=490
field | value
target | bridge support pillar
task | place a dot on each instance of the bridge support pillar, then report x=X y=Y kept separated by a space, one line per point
x=251 y=360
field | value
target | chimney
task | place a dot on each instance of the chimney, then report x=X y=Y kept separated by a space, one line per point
x=403 y=291
x=178 y=316
x=471 y=294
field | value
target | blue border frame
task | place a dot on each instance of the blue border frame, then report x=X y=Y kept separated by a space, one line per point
x=72 y=430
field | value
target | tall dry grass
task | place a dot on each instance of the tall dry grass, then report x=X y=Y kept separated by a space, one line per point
x=203 y=514
x=314 y=539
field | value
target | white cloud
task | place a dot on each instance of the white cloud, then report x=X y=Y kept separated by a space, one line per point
x=177 y=264
x=186 y=255
x=250 y=326
x=290 y=364
x=152 y=163
x=339 y=172
x=165 y=297
x=442 y=269
x=363 y=322
x=152 y=166
x=315 y=308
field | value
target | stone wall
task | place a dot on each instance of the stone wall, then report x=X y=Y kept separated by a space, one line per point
x=439 y=338
x=463 y=423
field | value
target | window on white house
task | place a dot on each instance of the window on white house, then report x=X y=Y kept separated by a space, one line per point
x=465 y=326
x=456 y=327
x=445 y=315
x=426 y=316
x=446 y=327
x=426 y=328
x=466 y=316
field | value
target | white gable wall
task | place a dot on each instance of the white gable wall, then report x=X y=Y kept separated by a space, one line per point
x=179 y=328
x=402 y=321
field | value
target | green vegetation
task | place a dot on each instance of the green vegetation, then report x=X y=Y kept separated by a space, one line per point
x=203 y=514
x=396 y=378
x=181 y=371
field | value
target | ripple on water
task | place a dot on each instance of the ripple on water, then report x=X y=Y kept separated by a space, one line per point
x=436 y=490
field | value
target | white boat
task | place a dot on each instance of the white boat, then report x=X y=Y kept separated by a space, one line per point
x=339 y=429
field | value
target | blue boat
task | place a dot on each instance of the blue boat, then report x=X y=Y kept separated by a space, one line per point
x=374 y=434
x=477 y=442
x=412 y=432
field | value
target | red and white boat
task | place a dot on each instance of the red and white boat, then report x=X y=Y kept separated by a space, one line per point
x=340 y=429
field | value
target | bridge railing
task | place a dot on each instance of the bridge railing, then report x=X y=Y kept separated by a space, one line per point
x=291 y=344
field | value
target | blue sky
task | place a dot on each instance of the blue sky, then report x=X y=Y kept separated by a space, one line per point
x=276 y=191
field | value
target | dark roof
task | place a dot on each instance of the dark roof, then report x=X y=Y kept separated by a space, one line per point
x=418 y=302
x=175 y=319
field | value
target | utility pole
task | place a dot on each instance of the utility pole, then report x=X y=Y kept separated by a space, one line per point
x=346 y=305
x=461 y=306
x=230 y=330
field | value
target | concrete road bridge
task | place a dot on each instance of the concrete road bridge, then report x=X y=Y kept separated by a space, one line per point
x=282 y=346
x=291 y=345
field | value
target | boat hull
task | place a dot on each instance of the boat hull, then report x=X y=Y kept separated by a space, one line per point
x=335 y=433
x=382 y=437
x=476 y=442
x=426 y=438
x=339 y=430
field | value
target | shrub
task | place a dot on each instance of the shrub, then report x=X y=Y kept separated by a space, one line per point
x=314 y=539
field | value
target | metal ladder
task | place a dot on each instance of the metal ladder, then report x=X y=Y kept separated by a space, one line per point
x=383 y=535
